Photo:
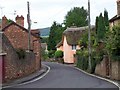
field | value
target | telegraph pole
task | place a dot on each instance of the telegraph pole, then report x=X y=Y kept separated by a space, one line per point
x=29 y=27
x=89 y=36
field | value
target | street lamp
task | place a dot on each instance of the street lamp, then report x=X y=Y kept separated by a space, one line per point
x=89 y=36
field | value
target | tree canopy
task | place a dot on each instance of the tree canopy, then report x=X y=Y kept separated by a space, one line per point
x=55 y=36
x=77 y=17
x=102 y=25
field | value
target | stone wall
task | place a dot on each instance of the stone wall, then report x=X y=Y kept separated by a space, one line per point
x=107 y=68
x=115 y=70
x=101 y=69
x=18 y=37
x=13 y=66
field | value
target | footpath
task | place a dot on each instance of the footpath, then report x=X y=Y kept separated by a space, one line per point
x=27 y=79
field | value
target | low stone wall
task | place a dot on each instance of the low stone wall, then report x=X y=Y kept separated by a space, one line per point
x=101 y=68
x=107 y=68
x=13 y=66
x=115 y=70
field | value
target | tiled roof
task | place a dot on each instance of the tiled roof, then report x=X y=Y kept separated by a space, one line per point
x=13 y=23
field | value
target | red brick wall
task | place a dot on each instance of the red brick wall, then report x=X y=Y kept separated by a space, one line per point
x=36 y=48
x=4 y=22
x=13 y=66
x=19 y=39
x=20 y=20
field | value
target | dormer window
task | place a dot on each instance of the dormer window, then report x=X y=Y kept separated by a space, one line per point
x=73 y=47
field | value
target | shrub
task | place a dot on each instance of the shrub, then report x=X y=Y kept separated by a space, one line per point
x=21 y=53
x=51 y=53
x=44 y=55
x=59 y=54
x=113 y=43
x=82 y=59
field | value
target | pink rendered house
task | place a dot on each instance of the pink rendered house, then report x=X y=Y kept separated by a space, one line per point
x=69 y=43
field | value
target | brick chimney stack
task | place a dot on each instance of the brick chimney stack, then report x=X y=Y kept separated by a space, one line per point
x=4 y=21
x=118 y=7
x=20 y=20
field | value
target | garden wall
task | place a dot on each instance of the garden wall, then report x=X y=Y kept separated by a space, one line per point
x=13 y=67
x=106 y=68
x=101 y=69
x=115 y=70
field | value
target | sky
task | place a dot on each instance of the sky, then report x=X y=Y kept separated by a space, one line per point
x=45 y=12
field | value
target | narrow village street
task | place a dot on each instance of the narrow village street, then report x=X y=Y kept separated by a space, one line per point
x=64 y=76
x=52 y=44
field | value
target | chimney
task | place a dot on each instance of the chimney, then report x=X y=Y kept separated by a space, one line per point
x=20 y=20
x=4 y=21
x=118 y=7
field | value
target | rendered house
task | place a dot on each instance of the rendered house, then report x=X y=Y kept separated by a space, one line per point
x=116 y=19
x=18 y=37
x=69 y=43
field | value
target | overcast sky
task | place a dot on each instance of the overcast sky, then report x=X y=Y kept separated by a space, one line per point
x=44 y=12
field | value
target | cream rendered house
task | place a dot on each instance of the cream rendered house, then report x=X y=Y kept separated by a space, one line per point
x=115 y=21
x=69 y=43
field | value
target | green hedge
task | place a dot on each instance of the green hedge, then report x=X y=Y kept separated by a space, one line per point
x=59 y=54
x=113 y=43
x=82 y=59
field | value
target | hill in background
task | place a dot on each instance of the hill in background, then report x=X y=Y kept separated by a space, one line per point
x=44 y=32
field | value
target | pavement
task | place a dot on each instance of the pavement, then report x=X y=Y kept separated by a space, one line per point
x=26 y=79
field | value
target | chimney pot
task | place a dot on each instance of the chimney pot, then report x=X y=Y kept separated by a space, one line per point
x=4 y=21
x=20 y=20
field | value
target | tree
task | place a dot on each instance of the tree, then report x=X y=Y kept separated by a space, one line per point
x=106 y=19
x=102 y=25
x=76 y=16
x=101 y=28
x=96 y=23
x=113 y=43
x=58 y=33
x=55 y=36
x=51 y=39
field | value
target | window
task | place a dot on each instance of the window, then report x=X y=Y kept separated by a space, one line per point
x=73 y=47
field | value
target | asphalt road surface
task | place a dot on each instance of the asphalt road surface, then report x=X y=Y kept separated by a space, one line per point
x=63 y=76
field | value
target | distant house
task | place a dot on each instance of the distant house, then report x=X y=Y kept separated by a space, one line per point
x=18 y=37
x=116 y=19
x=44 y=47
x=69 y=43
